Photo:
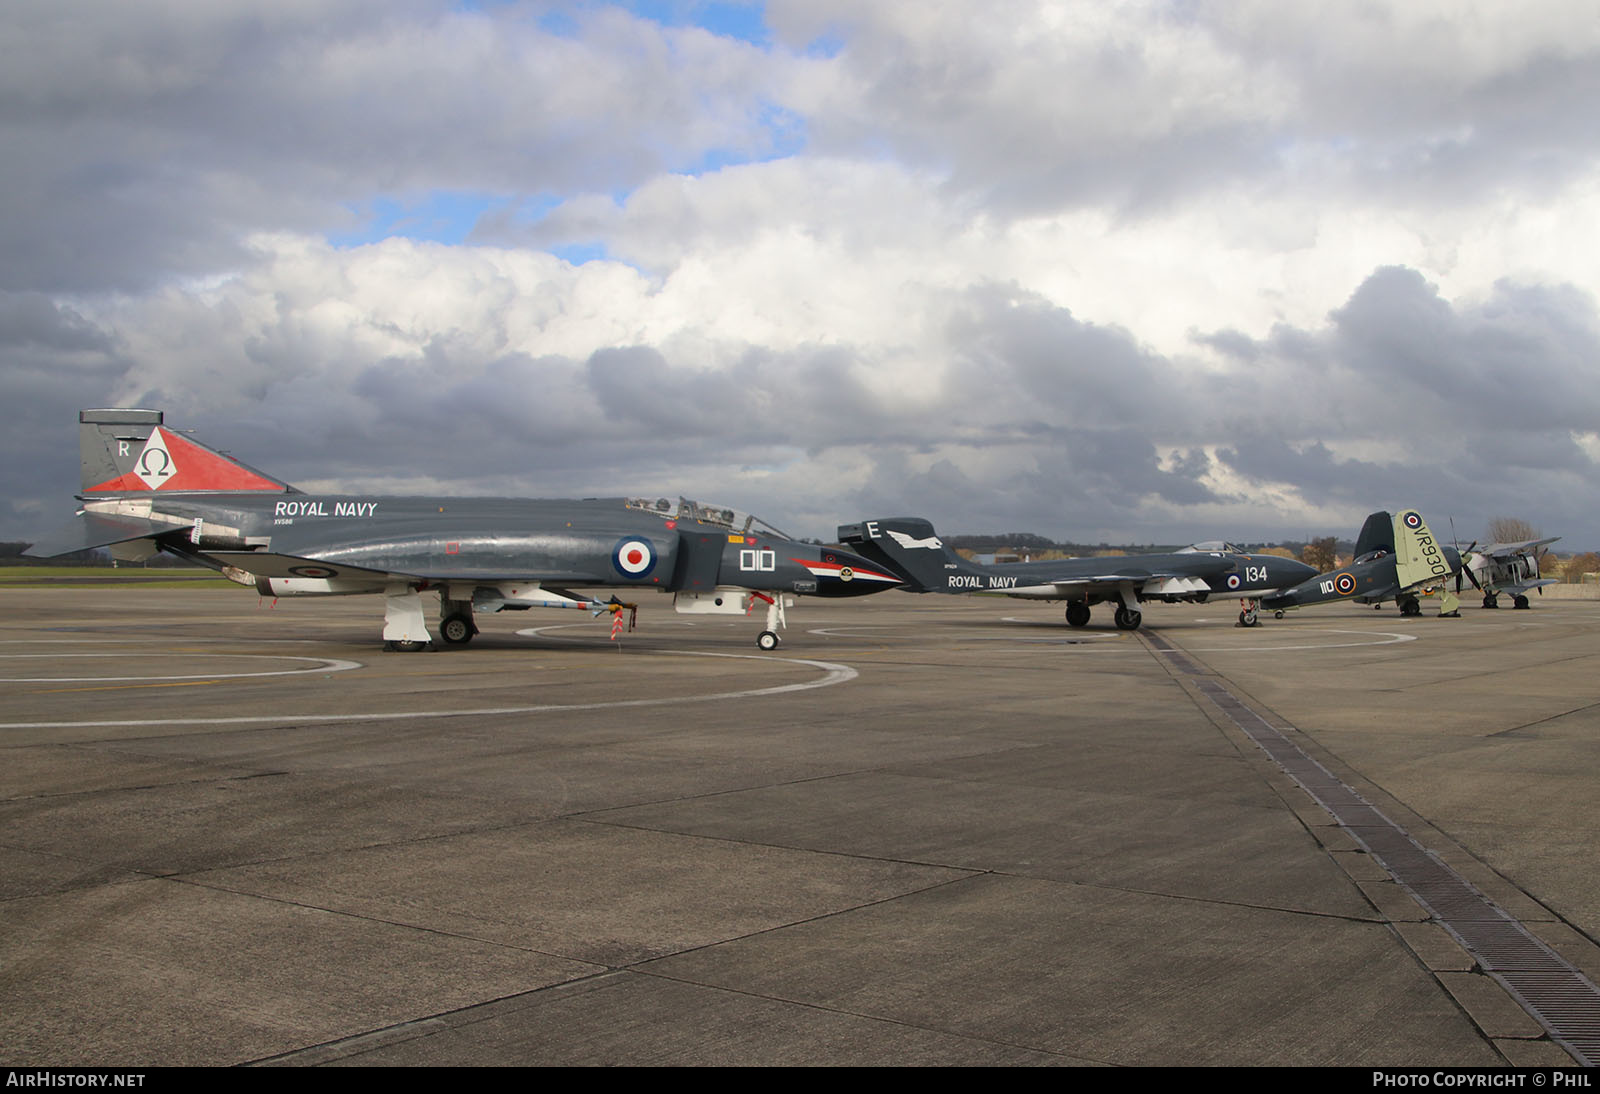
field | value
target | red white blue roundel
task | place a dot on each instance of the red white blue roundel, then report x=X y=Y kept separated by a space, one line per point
x=633 y=557
x=313 y=571
x=1233 y=581
x=1345 y=583
x=1413 y=520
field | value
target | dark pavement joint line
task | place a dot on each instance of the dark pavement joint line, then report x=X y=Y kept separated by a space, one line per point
x=1559 y=997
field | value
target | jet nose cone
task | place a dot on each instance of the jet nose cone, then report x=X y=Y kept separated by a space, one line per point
x=1284 y=572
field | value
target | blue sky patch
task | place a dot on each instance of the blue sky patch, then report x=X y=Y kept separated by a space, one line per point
x=443 y=216
x=726 y=18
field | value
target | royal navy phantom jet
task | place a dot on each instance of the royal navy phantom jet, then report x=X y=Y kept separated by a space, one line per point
x=909 y=547
x=1397 y=558
x=148 y=489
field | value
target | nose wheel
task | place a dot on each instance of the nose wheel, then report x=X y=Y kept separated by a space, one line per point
x=768 y=639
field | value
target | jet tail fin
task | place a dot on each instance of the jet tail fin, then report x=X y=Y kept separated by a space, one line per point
x=127 y=451
x=908 y=547
x=1419 y=558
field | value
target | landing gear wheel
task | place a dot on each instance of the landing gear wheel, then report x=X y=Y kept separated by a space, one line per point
x=1248 y=619
x=767 y=640
x=1520 y=603
x=1410 y=607
x=456 y=630
x=404 y=647
x=1278 y=614
x=1127 y=619
x=1490 y=600
x=1077 y=614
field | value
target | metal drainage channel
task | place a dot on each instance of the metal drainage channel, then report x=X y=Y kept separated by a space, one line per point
x=1564 y=1001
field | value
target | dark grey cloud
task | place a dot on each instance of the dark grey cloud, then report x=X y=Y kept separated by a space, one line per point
x=956 y=374
x=1034 y=419
x=31 y=319
x=1020 y=358
x=1141 y=105
x=147 y=141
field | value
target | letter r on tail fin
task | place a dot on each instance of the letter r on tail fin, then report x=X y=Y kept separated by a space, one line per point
x=131 y=452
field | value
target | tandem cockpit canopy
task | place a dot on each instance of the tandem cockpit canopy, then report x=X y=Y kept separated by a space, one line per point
x=721 y=516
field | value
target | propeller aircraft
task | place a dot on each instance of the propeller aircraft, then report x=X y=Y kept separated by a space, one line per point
x=1506 y=568
x=1396 y=558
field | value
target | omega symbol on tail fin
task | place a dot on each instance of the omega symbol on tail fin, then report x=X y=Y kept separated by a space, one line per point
x=155 y=464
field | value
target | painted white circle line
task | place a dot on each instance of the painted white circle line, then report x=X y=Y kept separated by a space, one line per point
x=1389 y=639
x=831 y=674
x=1088 y=639
x=318 y=664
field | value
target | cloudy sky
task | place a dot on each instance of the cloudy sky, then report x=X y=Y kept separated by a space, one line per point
x=1143 y=271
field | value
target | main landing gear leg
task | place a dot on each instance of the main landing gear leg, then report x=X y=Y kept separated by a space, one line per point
x=1247 y=613
x=768 y=639
x=404 y=630
x=1128 y=617
x=455 y=619
x=1449 y=604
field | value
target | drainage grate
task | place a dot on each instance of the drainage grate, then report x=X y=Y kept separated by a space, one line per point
x=1564 y=1001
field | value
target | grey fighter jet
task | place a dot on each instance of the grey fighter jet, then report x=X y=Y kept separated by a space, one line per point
x=148 y=489
x=1397 y=558
x=909 y=547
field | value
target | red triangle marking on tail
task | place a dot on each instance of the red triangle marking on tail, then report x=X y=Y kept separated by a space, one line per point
x=193 y=467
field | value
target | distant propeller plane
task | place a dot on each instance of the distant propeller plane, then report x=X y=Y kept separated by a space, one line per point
x=148 y=489
x=1506 y=568
x=1397 y=558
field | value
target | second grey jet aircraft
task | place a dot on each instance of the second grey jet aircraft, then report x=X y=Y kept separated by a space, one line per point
x=909 y=547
